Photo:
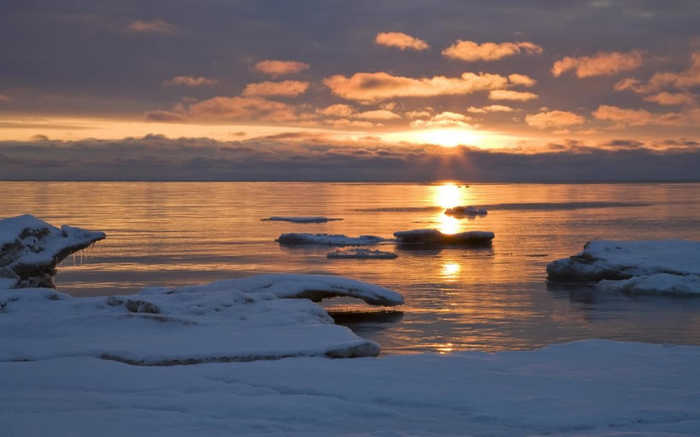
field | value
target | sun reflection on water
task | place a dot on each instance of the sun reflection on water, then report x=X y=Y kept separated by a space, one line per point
x=450 y=269
x=446 y=196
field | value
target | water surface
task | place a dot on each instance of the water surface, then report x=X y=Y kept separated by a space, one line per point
x=163 y=233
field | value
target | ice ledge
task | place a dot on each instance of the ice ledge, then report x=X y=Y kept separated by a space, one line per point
x=636 y=267
x=30 y=249
x=246 y=319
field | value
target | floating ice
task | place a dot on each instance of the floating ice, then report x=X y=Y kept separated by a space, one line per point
x=361 y=254
x=466 y=210
x=315 y=219
x=637 y=267
x=296 y=239
x=236 y=320
x=433 y=237
x=30 y=249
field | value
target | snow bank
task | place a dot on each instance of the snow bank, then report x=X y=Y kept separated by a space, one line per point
x=591 y=388
x=30 y=249
x=297 y=239
x=433 y=237
x=638 y=267
x=466 y=210
x=361 y=254
x=238 y=320
x=315 y=219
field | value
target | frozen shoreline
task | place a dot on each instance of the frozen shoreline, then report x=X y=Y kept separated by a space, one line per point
x=591 y=388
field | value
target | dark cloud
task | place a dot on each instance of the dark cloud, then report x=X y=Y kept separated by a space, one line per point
x=159 y=158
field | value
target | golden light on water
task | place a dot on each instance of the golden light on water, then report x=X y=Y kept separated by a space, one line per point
x=446 y=196
x=450 y=269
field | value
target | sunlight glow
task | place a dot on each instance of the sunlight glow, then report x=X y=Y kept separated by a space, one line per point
x=448 y=195
x=448 y=137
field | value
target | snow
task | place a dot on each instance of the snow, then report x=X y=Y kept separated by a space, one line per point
x=312 y=219
x=636 y=267
x=435 y=237
x=296 y=239
x=236 y=320
x=591 y=388
x=30 y=249
x=466 y=210
x=361 y=254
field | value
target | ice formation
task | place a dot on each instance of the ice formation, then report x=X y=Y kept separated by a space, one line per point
x=30 y=249
x=636 y=267
x=297 y=239
x=242 y=319
x=433 y=237
x=466 y=211
x=313 y=219
x=361 y=254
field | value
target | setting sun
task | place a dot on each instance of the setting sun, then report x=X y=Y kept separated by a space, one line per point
x=448 y=137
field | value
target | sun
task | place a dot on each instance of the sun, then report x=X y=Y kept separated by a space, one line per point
x=447 y=137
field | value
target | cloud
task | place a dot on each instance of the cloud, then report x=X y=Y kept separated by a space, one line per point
x=671 y=99
x=190 y=81
x=4 y=98
x=600 y=64
x=279 y=68
x=554 y=119
x=241 y=109
x=638 y=117
x=368 y=87
x=287 y=88
x=167 y=116
x=156 y=157
x=379 y=114
x=151 y=26
x=685 y=79
x=418 y=114
x=444 y=120
x=400 y=40
x=521 y=79
x=512 y=95
x=489 y=51
x=337 y=110
x=490 y=108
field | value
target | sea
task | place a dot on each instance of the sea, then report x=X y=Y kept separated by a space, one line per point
x=488 y=299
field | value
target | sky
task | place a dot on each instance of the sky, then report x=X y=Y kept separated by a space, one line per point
x=511 y=90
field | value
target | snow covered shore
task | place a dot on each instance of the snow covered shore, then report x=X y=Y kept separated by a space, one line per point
x=589 y=388
x=30 y=249
x=635 y=267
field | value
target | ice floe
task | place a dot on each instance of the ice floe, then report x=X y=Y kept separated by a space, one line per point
x=433 y=237
x=466 y=211
x=313 y=219
x=242 y=319
x=297 y=239
x=361 y=254
x=587 y=388
x=30 y=249
x=637 y=267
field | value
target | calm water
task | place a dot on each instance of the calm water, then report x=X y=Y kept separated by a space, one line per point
x=190 y=233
